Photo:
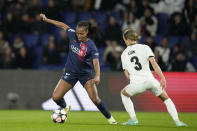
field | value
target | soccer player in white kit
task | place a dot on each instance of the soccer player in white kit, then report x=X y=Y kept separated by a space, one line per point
x=135 y=62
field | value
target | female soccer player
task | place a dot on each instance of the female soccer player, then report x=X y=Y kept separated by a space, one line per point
x=135 y=62
x=81 y=62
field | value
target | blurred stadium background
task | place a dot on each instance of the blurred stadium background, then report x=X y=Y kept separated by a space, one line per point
x=33 y=53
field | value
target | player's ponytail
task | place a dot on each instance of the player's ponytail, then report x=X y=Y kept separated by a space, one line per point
x=131 y=35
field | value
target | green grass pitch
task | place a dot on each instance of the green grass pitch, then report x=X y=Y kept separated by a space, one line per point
x=37 y=120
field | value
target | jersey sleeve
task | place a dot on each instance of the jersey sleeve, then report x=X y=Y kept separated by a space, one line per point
x=94 y=52
x=150 y=52
x=70 y=33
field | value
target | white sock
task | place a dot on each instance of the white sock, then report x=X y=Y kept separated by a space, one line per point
x=171 y=109
x=128 y=104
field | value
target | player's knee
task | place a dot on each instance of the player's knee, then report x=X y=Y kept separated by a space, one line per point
x=163 y=96
x=96 y=100
x=123 y=92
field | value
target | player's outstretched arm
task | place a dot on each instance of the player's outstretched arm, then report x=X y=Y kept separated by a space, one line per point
x=54 y=22
x=158 y=71
x=97 y=71
x=126 y=73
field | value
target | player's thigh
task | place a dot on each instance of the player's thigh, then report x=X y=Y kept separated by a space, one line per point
x=154 y=87
x=92 y=91
x=83 y=79
x=61 y=88
x=134 y=89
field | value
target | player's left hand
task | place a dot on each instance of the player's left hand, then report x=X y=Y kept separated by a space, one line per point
x=43 y=17
x=96 y=80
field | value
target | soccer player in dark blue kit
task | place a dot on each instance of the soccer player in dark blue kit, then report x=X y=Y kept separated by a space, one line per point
x=82 y=61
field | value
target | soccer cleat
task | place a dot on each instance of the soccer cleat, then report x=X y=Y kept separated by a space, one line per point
x=131 y=122
x=67 y=108
x=180 y=124
x=112 y=121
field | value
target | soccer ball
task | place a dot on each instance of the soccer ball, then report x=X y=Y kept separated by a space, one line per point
x=59 y=116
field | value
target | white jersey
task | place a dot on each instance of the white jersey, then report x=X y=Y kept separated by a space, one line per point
x=135 y=59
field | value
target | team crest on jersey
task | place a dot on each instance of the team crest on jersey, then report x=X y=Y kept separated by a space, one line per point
x=83 y=47
x=82 y=52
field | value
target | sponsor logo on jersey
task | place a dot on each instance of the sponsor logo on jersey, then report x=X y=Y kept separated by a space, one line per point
x=80 y=52
x=96 y=54
x=76 y=50
x=71 y=30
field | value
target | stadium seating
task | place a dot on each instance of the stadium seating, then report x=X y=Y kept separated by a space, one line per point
x=173 y=40
x=117 y=15
x=103 y=66
x=100 y=17
x=37 y=42
x=37 y=51
x=193 y=60
x=69 y=17
x=157 y=39
x=143 y=39
x=184 y=39
x=162 y=23
x=44 y=3
x=44 y=39
x=83 y=16
x=30 y=39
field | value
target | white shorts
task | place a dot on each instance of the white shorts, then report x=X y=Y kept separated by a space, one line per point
x=143 y=84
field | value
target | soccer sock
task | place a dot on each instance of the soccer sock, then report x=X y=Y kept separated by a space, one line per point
x=128 y=104
x=61 y=103
x=103 y=109
x=171 y=109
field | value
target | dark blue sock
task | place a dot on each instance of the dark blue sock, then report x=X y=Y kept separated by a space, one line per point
x=61 y=103
x=103 y=109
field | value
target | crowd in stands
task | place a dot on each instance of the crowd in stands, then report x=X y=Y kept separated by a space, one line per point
x=169 y=27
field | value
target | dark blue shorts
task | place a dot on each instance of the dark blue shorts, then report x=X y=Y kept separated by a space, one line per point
x=72 y=78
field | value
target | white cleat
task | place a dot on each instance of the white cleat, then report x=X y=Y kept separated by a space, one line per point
x=112 y=121
x=67 y=108
x=131 y=122
x=180 y=124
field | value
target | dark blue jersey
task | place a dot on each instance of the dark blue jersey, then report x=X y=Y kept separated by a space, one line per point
x=81 y=54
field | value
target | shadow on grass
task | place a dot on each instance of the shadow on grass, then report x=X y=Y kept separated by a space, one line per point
x=85 y=123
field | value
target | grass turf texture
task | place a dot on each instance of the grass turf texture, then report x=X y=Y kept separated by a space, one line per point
x=37 y=120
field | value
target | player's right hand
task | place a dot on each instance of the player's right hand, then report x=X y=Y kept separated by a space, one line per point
x=163 y=83
x=96 y=80
x=43 y=17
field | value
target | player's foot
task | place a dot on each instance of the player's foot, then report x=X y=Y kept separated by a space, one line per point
x=112 y=121
x=180 y=124
x=67 y=108
x=131 y=122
